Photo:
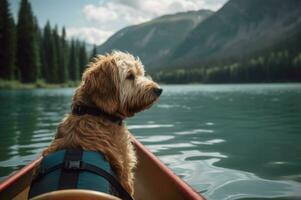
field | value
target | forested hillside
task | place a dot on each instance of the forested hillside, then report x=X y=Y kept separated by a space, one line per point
x=245 y=41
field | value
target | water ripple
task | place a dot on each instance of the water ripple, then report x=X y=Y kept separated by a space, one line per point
x=149 y=126
x=194 y=131
x=208 y=142
x=156 y=138
x=161 y=147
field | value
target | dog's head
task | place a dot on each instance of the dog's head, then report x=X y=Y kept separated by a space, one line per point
x=116 y=83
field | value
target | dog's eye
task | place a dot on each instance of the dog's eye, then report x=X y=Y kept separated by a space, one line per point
x=130 y=77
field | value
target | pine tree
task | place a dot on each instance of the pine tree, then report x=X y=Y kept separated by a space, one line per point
x=27 y=52
x=7 y=42
x=41 y=52
x=63 y=69
x=94 y=51
x=73 y=62
x=45 y=49
x=82 y=58
x=55 y=54
x=50 y=65
x=38 y=38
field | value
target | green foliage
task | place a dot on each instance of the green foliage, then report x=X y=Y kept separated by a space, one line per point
x=73 y=61
x=62 y=48
x=83 y=59
x=7 y=42
x=50 y=48
x=94 y=51
x=280 y=66
x=43 y=56
x=27 y=47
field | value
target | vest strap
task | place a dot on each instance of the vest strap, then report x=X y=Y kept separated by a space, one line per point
x=69 y=178
x=111 y=179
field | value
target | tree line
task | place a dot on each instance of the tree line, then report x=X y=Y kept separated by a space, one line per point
x=274 y=67
x=29 y=53
x=279 y=63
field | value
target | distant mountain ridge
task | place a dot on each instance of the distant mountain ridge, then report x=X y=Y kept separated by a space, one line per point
x=238 y=29
x=155 y=39
x=244 y=41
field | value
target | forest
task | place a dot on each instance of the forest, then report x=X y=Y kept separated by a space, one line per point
x=279 y=63
x=278 y=66
x=30 y=54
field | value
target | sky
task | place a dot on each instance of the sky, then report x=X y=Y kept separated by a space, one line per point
x=94 y=21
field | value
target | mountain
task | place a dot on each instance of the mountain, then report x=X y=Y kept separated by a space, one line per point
x=239 y=29
x=244 y=41
x=153 y=40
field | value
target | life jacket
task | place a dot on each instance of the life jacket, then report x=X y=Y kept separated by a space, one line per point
x=76 y=169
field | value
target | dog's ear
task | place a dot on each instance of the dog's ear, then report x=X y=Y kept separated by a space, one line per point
x=100 y=83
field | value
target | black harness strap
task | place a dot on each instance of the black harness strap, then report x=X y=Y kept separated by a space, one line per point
x=117 y=186
x=69 y=178
x=83 y=110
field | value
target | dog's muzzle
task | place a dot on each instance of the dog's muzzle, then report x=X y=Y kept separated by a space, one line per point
x=158 y=91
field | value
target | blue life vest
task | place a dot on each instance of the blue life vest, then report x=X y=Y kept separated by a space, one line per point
x=76 y=169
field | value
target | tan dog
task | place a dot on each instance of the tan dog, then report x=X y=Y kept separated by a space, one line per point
x=116 y=84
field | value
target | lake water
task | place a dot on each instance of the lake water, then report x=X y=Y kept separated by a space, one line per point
x=226 y=141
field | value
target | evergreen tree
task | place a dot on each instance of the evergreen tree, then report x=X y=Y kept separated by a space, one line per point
x=41 y=52
x=7 y=42
x=38 y=38
x=55 y=55
x=50 y=65
x=82 y=58
x=27 y=52
x=73 y=62
x=63 y=69
x=94 y=51
x=46 y=51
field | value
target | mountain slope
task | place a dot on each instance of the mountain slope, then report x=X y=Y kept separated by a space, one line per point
x=153 y=40
x=240 y=28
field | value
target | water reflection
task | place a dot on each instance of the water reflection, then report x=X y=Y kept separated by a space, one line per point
x=28 y=122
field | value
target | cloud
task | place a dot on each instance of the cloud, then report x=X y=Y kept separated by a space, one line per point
x=214 y=4
x=90 y=35
x=111 y=15
x=100 y=13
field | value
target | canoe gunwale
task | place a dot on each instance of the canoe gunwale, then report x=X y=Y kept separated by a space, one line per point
x=7 y=188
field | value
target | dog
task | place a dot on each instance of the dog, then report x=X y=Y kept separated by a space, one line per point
x=116 y=84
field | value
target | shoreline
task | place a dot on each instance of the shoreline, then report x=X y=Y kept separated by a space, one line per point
x=17 y=85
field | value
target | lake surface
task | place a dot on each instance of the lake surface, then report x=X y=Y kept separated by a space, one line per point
x=226 y=141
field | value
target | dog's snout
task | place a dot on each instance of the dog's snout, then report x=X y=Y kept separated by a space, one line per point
x=158 y=91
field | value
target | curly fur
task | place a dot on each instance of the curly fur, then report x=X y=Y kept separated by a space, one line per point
x=116 y=84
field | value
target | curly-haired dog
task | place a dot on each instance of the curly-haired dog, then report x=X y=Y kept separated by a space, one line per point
x=116 y=84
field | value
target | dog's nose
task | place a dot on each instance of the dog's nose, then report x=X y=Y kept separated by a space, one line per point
x=158 y=91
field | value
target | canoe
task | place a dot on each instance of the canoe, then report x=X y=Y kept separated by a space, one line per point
x=154 y=180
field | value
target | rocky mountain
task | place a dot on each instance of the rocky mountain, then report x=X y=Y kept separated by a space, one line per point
x=244 y=41
x=239 y=29
x=154 y=40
